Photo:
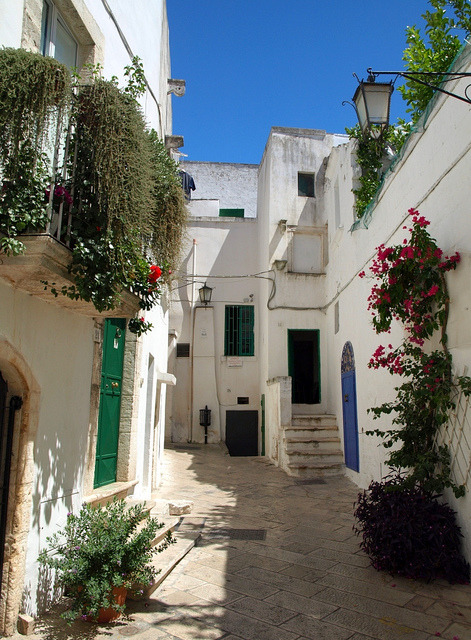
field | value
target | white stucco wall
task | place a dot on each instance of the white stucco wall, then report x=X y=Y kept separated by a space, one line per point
x=432 y=177
x=145 y=29
x=220 y=243
x=11 y=23
x=222 y=252
x=58 y=347
x=292 y=229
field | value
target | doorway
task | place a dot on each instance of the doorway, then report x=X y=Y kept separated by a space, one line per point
x=349 y=406
x=106 y=459
x=242 y=433
x=304 y=365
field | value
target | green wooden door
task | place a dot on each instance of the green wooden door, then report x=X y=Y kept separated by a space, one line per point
x=110 y=402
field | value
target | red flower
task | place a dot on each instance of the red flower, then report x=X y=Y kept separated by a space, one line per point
x=155 y=273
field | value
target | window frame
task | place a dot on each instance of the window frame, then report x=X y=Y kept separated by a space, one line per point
x=51 y=17
x=239 y=336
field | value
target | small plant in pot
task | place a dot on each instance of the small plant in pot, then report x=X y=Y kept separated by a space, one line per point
x=100 y=554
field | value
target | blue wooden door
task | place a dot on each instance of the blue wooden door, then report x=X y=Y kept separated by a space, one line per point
x=349 y=405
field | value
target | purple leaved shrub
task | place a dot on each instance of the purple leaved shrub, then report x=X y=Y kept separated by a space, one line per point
x=409 y=532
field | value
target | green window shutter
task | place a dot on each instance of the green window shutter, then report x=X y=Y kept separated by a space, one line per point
x=238 y=333
x=246 y=339
x=231 y=213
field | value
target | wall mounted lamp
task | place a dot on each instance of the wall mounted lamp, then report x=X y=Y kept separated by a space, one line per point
x=205 y=294
x=372 y=99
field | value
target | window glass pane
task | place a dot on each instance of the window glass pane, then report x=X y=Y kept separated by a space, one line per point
x=66 y=47
x=306 y=185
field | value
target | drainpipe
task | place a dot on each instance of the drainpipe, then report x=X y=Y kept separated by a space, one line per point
x=192 y=328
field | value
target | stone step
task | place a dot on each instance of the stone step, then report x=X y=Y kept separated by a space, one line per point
x=170 y=524
x=318 y=421
x=312 y=443
x=295 y=431
x=320 y=457
x=186 y=533
x=313 y=469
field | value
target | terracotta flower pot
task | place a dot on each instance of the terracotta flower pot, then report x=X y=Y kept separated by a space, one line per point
x=110 y=614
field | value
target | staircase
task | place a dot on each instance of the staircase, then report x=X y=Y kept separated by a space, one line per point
x=311 y=447
x=185 y=530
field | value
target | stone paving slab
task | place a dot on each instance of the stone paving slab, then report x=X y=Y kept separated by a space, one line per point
x=306 y=580
x=384 y=610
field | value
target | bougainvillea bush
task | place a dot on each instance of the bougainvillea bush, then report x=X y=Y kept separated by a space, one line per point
x=409 y=532
x=410 y=287
x=406 y=528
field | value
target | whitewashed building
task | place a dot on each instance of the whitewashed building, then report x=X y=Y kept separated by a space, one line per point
x=307 y=376
x=51 y=349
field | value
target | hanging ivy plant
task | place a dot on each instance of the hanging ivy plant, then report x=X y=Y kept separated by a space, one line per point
x=170 y=213
x=122 y=189
x=34 y=102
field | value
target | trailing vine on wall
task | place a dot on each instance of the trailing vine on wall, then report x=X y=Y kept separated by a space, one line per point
x=412 y=289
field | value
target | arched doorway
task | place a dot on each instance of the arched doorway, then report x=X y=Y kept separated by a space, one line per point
x=349 y=406
x=19 y=403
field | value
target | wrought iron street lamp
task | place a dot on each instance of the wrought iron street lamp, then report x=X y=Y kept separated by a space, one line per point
x=372 y=102
x=205 y=294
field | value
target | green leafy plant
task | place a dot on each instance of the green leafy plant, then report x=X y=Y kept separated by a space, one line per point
x=139 y=326
x=101 y=548
x=370 y=156
x=411 y=288
x=432 y=52
x=435 y=52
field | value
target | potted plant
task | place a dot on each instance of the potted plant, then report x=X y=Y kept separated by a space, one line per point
x=100 y=554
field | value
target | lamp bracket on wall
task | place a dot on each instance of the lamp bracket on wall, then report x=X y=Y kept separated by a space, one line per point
x=417 y=76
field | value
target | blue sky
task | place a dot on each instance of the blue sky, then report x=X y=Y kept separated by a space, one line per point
x=253 y=64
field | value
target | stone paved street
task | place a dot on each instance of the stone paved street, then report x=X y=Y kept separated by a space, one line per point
x=277 y=561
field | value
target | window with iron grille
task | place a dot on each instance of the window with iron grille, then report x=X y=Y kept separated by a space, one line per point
x=238 y=335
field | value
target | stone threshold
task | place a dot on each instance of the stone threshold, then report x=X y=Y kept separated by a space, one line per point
x=104 y=494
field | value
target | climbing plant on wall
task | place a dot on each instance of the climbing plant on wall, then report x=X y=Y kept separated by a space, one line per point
x=406 y=527
x=411 y=288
